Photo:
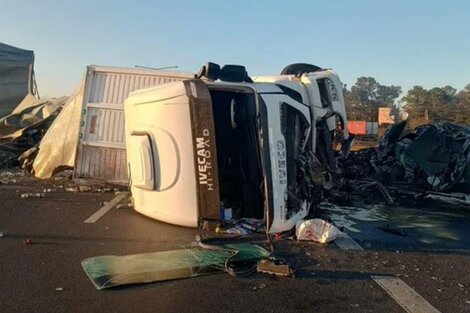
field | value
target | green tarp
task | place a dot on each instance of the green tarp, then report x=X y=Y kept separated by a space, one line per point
x=112 y=271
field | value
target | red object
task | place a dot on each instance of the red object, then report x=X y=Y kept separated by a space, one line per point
x=27 y=241
x=357 y=127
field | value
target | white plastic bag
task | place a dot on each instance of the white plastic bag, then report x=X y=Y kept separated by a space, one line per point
x=316 y=230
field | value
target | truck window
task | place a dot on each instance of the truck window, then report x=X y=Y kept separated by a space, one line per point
x=294 y=127
x=328 y=92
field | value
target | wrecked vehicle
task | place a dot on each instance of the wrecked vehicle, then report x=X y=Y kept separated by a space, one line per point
x=432 y=162
x=222 y=140
x=434 y=156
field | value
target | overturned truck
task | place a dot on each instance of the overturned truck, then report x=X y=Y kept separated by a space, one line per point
x=224 y=140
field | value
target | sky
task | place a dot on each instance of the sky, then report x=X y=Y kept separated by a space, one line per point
x=403 y=43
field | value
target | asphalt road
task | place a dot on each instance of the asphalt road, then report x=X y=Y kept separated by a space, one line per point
x=46 y=276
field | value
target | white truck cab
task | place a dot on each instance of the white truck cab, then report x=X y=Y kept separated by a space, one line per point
x=224 y=140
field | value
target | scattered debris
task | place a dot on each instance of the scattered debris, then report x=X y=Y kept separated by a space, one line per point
x=32 y=195
x=10 y=176
x=430 y=163
x=435 y=156
x=237 y=229
x=122 y=206
x=1 y=234
x=368 y=185
x=84 y=188
x=393 y=230
x=27 y=241
x=22 y=130
x=454 y=198
x=316 y=230
x=274 y=266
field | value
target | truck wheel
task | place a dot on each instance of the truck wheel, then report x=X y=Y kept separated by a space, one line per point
x=299 y=69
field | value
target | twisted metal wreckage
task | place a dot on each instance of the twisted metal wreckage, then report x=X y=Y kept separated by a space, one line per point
x=430 y=163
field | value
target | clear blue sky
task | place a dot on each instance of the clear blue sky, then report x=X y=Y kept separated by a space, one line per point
x=399 y=42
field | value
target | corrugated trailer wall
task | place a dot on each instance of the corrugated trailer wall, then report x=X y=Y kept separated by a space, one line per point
x=372 y=128
x=102 y=151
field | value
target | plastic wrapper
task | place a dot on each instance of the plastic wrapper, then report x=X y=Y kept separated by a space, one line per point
x=317 y=230
x=58 y=146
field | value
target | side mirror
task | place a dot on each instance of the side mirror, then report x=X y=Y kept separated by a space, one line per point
x=210 y=70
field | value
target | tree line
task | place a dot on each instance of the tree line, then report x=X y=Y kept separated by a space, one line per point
x=423 y=105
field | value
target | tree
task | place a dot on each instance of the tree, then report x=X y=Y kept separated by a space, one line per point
x=366 y=96
x=417 y=102
x=462 y=108
x=434 y=104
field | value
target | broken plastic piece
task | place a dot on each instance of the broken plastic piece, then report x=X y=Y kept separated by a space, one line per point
x=274 y=266
x=316 y=230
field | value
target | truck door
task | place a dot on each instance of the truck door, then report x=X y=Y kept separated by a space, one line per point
x=287 y=125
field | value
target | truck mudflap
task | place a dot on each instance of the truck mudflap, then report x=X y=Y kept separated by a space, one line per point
x=205 y=150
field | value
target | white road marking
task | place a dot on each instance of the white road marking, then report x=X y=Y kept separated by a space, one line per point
x=347 y=243
x=108 y=206
x=404 y=295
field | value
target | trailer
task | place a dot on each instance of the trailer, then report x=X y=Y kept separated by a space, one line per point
x=89 y=132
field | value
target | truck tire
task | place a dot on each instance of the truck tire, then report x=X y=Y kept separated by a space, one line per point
x=299 y=69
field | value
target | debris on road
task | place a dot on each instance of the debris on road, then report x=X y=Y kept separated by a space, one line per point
x=316 y=230
x=84 y=188
x=32 y=195
x=123 y=206
x=10 y=176
x=393 y=230
x=111 y=271
x=274 y=266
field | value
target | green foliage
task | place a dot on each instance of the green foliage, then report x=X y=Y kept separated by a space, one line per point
x=438 y=104
x=462 y=107
x=366 y=96
x=423 y=105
